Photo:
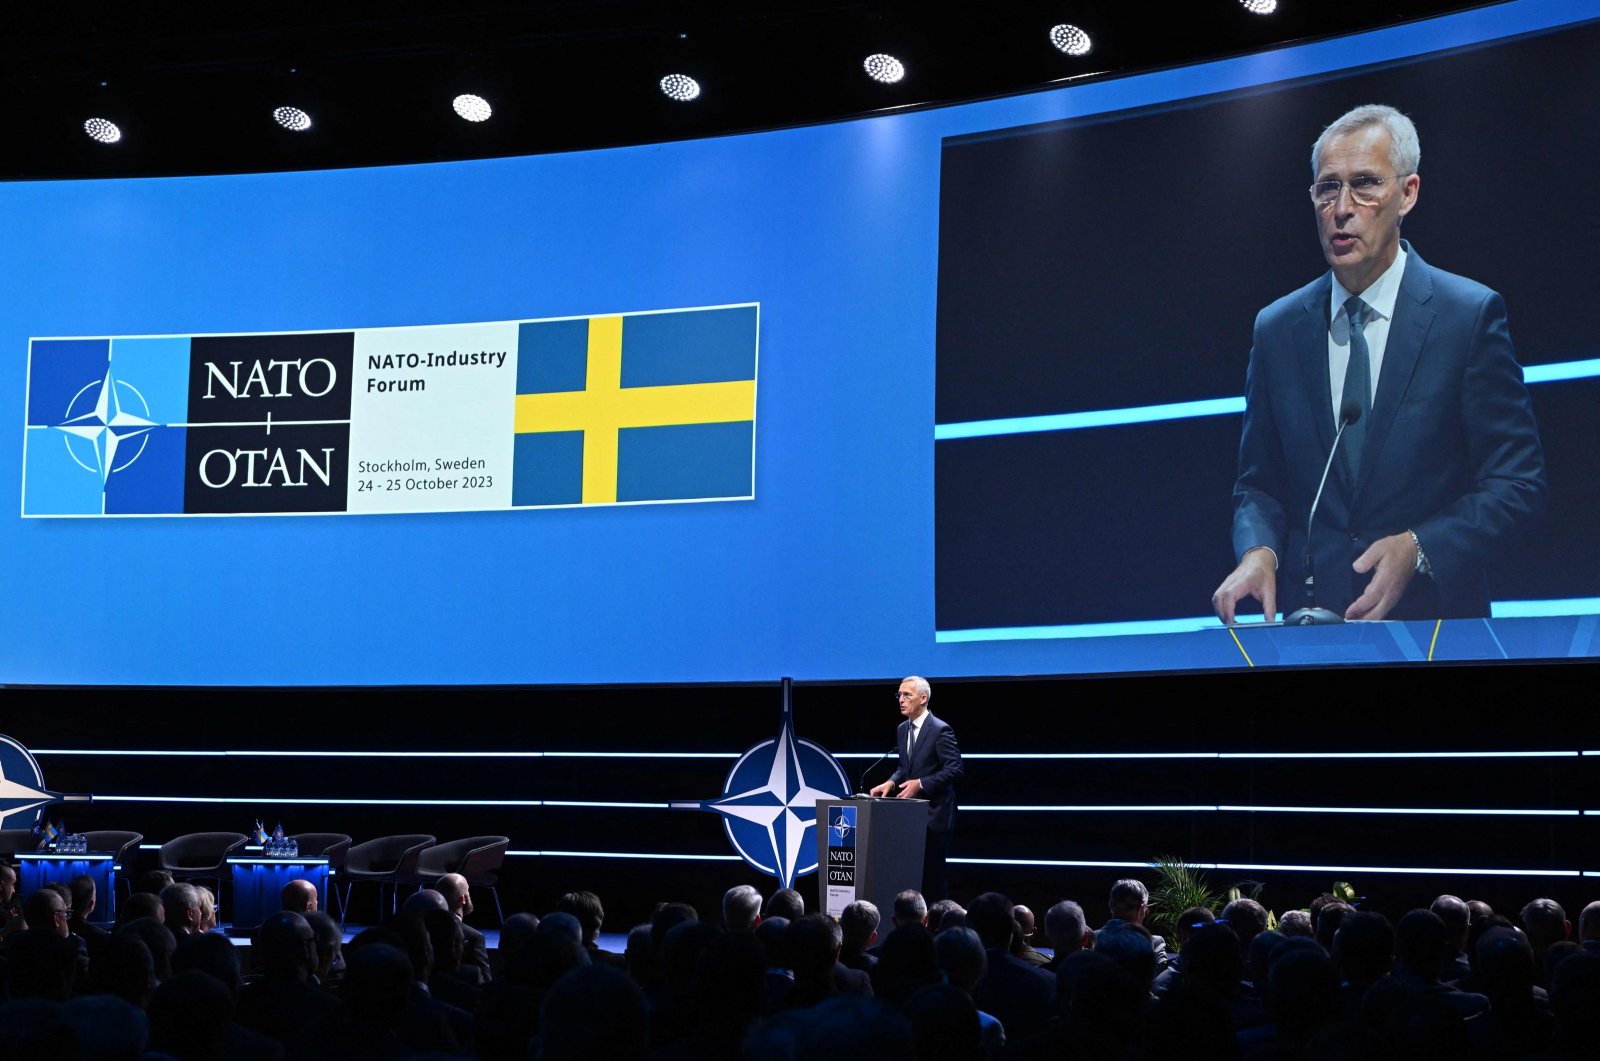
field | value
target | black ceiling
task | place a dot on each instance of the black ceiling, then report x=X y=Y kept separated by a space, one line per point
x=192 y=87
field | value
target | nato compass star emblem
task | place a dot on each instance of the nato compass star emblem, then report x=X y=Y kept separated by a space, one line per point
x=842 y=826
x=769 y=802
x=106 y=425
x=22 y=791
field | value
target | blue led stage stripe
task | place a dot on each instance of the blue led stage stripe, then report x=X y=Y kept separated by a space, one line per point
x=1565 y=370
x=1037 y=633
x=1251 y=867
x=1149 y=414
x=1142 y=414
x=1529 y=609
x=1241 y=809
x=631 y=855
x=1001 y=756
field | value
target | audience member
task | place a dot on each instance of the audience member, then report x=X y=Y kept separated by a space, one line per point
x=859 y=923
x=1018 y=994
x=786 y=903
x=946 y=913
x=141 y=905
x=329 y=940
x=1296 y=924
x=1247 y=918
x=182 y=906
x=1022 y=945
x=10 y=908
x=741 y=908
x=84 y=901
x=1545 y=923
x=1457 y=920
x=748 y=986
x=109 y=1029
x=1068 y=932
x=282 y=1004
x=963 y=962
x=457 y=894
x=910 y=908
x=591 y=915
x=1130 y=903
x=208 y=908
x=299 y=897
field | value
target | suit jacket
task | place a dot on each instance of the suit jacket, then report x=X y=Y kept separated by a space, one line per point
x=1452 y=452
x=474 y=956
x=936 y=762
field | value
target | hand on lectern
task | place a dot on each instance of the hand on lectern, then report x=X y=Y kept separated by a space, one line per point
x=912 y=789
x=882 y=790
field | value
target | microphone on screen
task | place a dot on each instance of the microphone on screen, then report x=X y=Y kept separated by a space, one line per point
x=1310 y=614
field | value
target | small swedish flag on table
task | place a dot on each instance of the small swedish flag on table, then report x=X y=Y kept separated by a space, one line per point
x=636 y=407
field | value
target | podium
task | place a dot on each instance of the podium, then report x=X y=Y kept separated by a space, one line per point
x=869 y=849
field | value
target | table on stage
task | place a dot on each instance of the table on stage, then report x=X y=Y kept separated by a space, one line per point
x=38 y=868
x=258 y=886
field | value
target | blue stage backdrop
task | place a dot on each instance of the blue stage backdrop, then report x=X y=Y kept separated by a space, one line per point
x=843 y=526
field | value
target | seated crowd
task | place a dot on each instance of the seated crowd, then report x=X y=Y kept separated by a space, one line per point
x=765 y=979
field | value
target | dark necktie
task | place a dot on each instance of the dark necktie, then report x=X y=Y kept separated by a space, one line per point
x=1357 y=388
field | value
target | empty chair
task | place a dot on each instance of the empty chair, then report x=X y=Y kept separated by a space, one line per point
x=118 y=842
x=477 y=858
x=199 y=856
x=332 y=846
x=15 y=841
x=386 y=861
x=123 y=846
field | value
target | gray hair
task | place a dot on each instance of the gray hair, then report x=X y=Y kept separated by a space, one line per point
x=910 y=906
x=1405 y=151
x=859 y=921
x=180 y=894
x=1129 y=895
x=923 y=688
x=741 y=906
x=1065 y=921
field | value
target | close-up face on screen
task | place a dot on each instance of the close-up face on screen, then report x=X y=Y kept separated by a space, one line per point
x=1120 y=376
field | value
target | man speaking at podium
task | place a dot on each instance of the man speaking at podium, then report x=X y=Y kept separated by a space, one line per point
x=1412 y=368
x=930 y=766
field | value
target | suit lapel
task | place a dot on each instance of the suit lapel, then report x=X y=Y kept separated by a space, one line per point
x=1311 y=355
x=1407 y=331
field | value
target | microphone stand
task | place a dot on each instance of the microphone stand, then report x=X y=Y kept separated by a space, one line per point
x=1310 y=614
x=863 y=794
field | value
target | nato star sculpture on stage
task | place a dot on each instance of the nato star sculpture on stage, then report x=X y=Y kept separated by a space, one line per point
x=769 y=802
x=22 y=791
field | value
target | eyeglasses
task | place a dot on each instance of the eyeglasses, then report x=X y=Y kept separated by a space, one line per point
x=904 y=696
x=1364 y=190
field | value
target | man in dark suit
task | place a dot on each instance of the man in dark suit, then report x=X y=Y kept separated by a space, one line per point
x=1440 y=465
x=458 y=900
x=930 y=766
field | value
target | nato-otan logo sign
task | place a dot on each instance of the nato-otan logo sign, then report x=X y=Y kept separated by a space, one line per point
x=769 y=802
x=645 y=407
x=842 y=827
x=179 y=425
x=22 y=792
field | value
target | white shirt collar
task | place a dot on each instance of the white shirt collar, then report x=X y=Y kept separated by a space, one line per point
x=1381 y=295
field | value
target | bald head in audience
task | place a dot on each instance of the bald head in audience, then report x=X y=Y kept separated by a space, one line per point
x=300 y=896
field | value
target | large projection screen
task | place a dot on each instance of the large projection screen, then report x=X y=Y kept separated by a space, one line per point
x=811 y=311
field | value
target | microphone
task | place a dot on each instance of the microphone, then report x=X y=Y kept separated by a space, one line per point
x=863 y=779
x=1310 y=614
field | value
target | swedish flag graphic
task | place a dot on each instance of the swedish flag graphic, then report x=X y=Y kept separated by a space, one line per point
x=638 y=407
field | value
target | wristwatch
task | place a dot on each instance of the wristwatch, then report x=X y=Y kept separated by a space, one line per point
x=1423 y=567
